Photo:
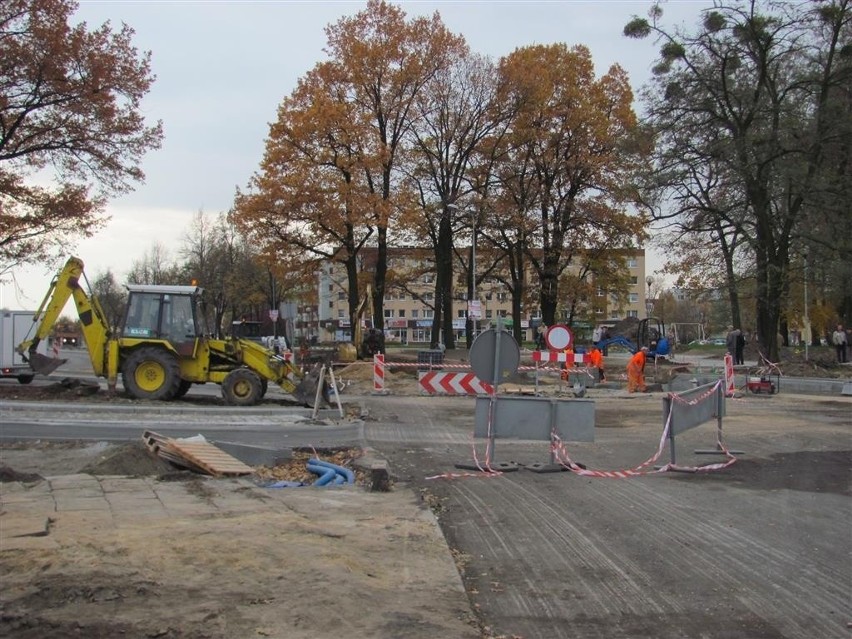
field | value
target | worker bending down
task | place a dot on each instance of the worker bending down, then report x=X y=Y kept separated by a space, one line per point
x=636 y=371
x=596 y=360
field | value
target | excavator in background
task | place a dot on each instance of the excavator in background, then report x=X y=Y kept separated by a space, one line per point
x=362 y=346
x=162 y=348
x=650 y=332
x=373 y=342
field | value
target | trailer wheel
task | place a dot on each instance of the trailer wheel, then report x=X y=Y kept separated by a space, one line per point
x=151 y=373
x=242 y=387
x=25 y=379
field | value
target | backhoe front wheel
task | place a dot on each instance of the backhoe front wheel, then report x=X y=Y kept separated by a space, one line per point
x=151 y=373
x=242 y=387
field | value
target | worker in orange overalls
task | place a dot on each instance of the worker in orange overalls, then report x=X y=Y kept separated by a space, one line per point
x=597 y=361
x=569 y=363
x=636 y=371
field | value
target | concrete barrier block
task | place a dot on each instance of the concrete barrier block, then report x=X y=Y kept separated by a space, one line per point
x=847 y=388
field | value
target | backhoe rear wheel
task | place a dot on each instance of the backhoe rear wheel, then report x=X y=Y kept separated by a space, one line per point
x=242 y=387
x=151 y=373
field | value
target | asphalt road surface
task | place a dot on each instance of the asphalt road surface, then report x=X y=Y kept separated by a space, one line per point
x=757 y=550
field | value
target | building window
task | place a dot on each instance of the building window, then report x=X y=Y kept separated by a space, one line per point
x=634 y=298
x=330 y=288
x=340 y=313
x=428 y=313
x=388 y=312
x=632 y=262
x=632 y=313
x=488 y=314
x=414 y=313
x=330 y=304
x=341 y=295
x=634 y=280
x=402 y=312
x=600 y=292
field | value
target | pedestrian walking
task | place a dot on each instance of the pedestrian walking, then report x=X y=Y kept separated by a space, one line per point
x=540 y=342
x=838 y=338
x=731 y=341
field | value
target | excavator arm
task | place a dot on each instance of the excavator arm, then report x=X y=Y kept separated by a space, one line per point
x=96 y=331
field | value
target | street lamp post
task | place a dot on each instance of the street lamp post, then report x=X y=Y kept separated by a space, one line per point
x=649 y=305
x=471 y=293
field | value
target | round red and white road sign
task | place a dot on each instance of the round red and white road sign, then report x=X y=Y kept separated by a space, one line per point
x=558 y=337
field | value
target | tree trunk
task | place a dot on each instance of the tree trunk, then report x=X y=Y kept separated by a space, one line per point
x=381 y=277
x=549 y=285
x=441 y=322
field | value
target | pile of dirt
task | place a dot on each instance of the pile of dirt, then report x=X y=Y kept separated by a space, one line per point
x=132 y=459
x=11 y=475
x=820 y=363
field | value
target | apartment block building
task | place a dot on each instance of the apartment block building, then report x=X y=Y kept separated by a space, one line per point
x=409 y=300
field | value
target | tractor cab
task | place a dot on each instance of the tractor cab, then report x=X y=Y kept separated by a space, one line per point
x=163 y=312
x=651 y=333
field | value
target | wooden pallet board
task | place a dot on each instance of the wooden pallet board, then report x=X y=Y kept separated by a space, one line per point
x=154 y=441
x=201 y=457
x=208 y=457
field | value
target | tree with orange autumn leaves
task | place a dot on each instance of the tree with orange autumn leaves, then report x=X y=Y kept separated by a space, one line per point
x=570 y=153
x=329 y=178
x=70 y=102
x=404 y=135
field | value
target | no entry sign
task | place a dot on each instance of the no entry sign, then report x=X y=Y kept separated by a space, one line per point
x=558 y=337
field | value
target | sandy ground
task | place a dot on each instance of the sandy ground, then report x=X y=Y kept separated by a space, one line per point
x=183 y=556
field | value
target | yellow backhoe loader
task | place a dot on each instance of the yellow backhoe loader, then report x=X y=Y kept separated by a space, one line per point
x=162 y=349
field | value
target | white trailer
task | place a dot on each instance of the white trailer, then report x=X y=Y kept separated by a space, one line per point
x=16 y=327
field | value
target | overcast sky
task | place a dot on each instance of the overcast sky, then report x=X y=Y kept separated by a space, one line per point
x=223 y=67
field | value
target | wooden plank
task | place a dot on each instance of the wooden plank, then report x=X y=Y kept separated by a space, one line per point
x=205 y=455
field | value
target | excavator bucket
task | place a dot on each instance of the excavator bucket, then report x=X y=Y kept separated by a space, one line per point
x=44 y=364
x=306 y=390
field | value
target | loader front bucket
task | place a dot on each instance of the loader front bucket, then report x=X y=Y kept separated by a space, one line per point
x=306 y=390
x=44 y=364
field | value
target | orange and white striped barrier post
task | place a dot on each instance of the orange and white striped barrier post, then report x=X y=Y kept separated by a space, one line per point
x=379 y=374
x=729 y=376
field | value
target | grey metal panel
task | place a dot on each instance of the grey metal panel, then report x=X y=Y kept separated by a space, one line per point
x=686 y=415
x=530 y=418
x=494 y=356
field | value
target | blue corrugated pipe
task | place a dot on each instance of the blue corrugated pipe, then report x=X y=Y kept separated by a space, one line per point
x=326 y=475
x=340 y=470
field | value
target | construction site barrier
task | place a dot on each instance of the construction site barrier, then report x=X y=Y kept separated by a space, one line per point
x=444 y=383
x=730 y=384
x=379 y=373
x=462 y=383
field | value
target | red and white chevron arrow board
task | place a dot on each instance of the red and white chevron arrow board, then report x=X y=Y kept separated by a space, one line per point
x=435 y=383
